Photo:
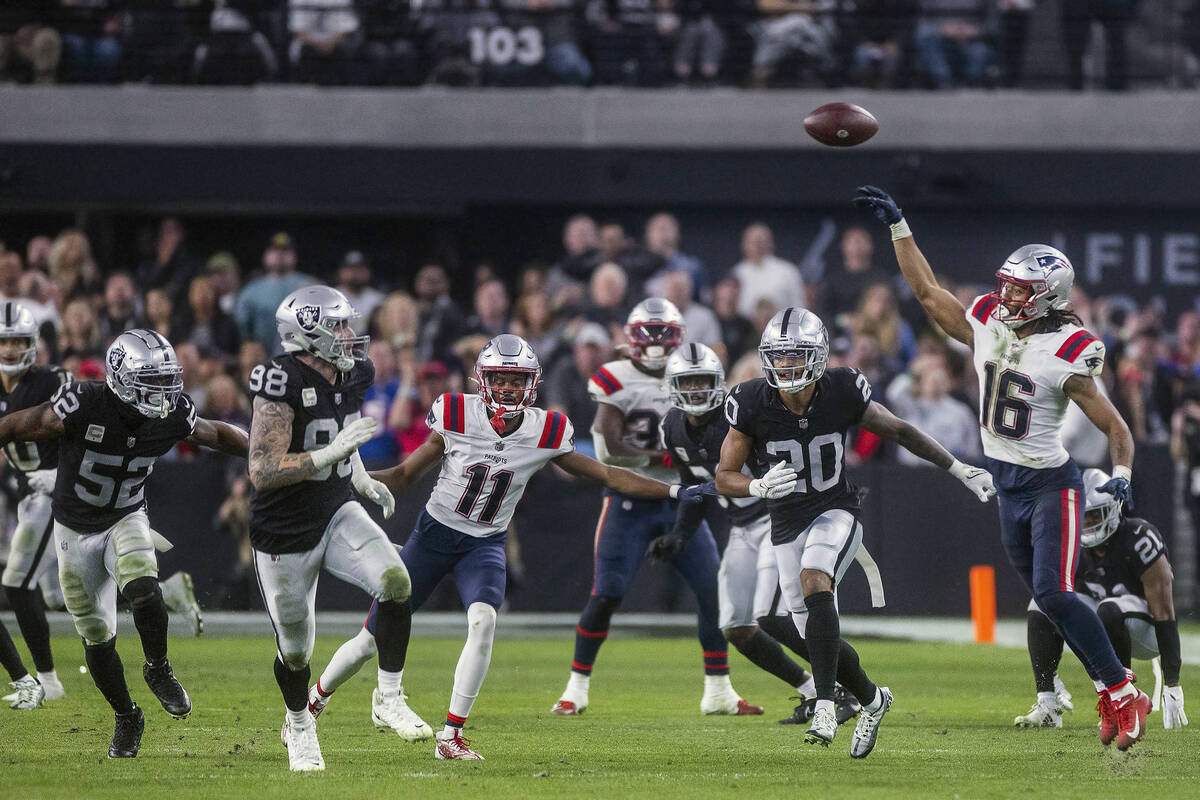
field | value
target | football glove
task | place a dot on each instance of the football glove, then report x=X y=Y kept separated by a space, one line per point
x=42 y=480
x=879 y=203
x=371 y=489
x=665 y=547
x=976 y=479
x=1172 y=707
x=779 y=481
x=348 y=440
x=694 y=494
x=1120 y=489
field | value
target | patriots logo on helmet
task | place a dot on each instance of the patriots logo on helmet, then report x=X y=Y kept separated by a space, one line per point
x=1050 y=263
x=116 y=357
x=308 y=316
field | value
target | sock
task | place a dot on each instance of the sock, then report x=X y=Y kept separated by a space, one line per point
x=149 y=616
x=1045 y=650
x=393 y=627
x=850 y=674
x=577 y=684
x=875 y=703
x=294 y=685
x=716 y=662
x=389 y=682
x=44 y=677
x=299 y=719
x=473 y=663
x=824 y=641
x=108 y=673
x=1047 y=699
x=717 y=684
x=808 y=688
x=783 y=630
x=592 y=630
x=1099 y=686
x=9 y=657
x=1121 y=691
x=766 y=654
x=31 y=619
x=453 y=726
x=347 y=661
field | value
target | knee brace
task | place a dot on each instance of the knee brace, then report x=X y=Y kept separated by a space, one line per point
x=142 y=592
x=397 y=585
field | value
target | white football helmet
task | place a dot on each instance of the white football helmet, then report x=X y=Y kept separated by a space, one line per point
x=1045 y=272
x=653 y=330
x=508 y=353
x=689 y=361
x=1102 y=506
x=319 y=320
x=799 y=335
x=142 y=370
x=17 y=322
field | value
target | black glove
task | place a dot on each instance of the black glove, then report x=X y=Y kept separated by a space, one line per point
x=665 y=548
x=879 y=203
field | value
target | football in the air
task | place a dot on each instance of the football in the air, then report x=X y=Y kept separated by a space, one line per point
x=841 y=124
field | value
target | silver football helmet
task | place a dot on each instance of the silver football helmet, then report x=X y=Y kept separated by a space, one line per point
x=17 y=322
x=1102 y=511
x=318 y=320
x=652 y=332
x=142 y=370
x=695 y=361
x=1045 y=272
x=798 y=336
x=507 y=353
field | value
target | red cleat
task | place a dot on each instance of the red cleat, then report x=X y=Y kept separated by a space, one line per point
x=456 y=748
x=744 y=709
x=565 y=708
x=1131 y=719
x=1108 y=719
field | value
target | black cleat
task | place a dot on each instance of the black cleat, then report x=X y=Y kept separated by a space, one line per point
x=846 y=707
x=166 y=687
x=127 y=735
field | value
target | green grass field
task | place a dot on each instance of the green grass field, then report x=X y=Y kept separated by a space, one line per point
x=949 y=733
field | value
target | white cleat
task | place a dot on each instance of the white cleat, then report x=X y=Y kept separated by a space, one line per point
x=1040 y=717
x=391 y=711
x=867 y=729
x=179 y=596
x=53 y=686
x=1062 y=696
x=823 y=728
x=727 y=703
x=455 y=748
x=304 y=751
x=29 y=694
x=316 y=704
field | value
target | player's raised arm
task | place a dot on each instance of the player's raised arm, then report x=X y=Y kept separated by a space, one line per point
x=410 y=470
x=220 y=436
x=31 y=425
x=941 y=306
x=886 y=425
x=1100 y=410
x=629 y=482
x=272 y=466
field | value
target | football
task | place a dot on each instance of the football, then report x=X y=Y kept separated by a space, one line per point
x=841 y=124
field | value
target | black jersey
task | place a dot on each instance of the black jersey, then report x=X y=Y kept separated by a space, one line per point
x=36 y=386
x=814 y=444
x=696 y=452
x=293 y=518
x=106 y=453
x=1115 y=568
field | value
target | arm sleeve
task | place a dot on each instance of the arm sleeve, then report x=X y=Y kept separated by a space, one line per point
x=689 y=516
x=1167 y=632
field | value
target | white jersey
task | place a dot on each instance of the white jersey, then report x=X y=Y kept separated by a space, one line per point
x=1021 y=397
x=483 y=473
x=644 y=402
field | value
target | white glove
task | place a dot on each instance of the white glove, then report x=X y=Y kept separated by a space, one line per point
x=42 y=480
x=348 y=440
x=779 y=481
x=368 y=487
x=1172 y=707
x=976 y=479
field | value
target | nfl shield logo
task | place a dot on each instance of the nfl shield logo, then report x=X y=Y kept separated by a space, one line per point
x=308 y=316
x=130 y=441
x=803 y=424
x=337 y=398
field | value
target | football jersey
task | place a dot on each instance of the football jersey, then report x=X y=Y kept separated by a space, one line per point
x=293 y=518
x=483 y=473
x=644 y=402
x=696 y=453
x=814 y=444
x=1128 y=553
x=1021 y=397
x=106 y=453
x=36 y=386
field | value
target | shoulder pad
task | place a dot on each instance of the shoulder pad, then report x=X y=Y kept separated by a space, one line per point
x=981 y=309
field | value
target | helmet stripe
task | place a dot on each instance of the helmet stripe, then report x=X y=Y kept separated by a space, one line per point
x=783 y=325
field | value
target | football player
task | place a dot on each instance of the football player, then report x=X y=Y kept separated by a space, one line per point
x=633 y=399
x=27 y=694
x=31 y=575
x=489 y=445
x=109 y=436
x=1032 y=356
x=796 y=419
x=305 y=430
x=1123 y=574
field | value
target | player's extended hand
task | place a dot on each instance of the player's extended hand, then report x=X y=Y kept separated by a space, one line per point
x=1172 y=707
x=42 y=480
x=348 y=439
x=665 y=548
x=1120 y=489
x=779 y=481
x=879 y=203
x=695 y=494
x=377 y=493
x=976 y=479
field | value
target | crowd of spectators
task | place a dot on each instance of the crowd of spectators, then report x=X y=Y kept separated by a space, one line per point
x=933 y=44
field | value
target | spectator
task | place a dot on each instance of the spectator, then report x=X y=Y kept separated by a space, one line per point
x=257 y=303
x=80 y=336
x=71 y=265
x=737 y=334
x=326 y=39
x=29 y=50
x=224 y=402
x=250 y=356
x=565 y=386
x=638 y=262
x=440 y=319
x=409 y=410
x=457 y=54
x=606 y=295
x=394 y=42
x=491 y=310
x=197 y=370
x=625 y=43
x=233 y=53
x=225 y=272
x=1015 y=16
x=160 y=39
x=172 y=267
x=662 y=239
x=536 y=323
x=843 y=287
x=879 y=318
x=354 y=281
x=566 y=279
x=43 y=297
x=1114 y=16
x=701 y=42
x=1143 y=387
x=119 y=312
x=882 y=34
x=91 y=43
x=1185 y=448
x=788 y=29
x=37 y=254
x=556 y=57
x=11 y=271
x=202 y=322
x=951 y=42
x=763 y=275
x=949 y=421
x=160 y=314
x=701 y=322
x=383 y=450
x=395 y=321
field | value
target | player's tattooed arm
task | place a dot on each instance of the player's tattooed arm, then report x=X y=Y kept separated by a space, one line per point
x=271 y=465
x=1081 y=389
x=410 y=470
x=31 y=425
x=220 y=436
x=939 y=303
x=616 y=478
x=609 y=427
x=731 y=481
x=886 y=425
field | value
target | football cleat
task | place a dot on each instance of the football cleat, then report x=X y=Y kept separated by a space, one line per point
x=166 y=687
x=391 y=711
x=845 y=708
x=29 y=694
x=1131 y=719
x=727 y=704
x=822 y=729
x=453 y=747
x=867 y=729
x=53 y=686
x=1108 y=719
x=565 y=708
x=1062 y=696
x=127 y=734
x=304 y=751
x=179 y=596
x=1040 y=717
x=316 y=704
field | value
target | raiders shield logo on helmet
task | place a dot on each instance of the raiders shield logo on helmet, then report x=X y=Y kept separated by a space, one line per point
x=308 y=316
x=116 y=357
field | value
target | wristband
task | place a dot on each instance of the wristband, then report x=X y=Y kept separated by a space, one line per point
x=1122 y=471
x=673 y=491
x=900 y=230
